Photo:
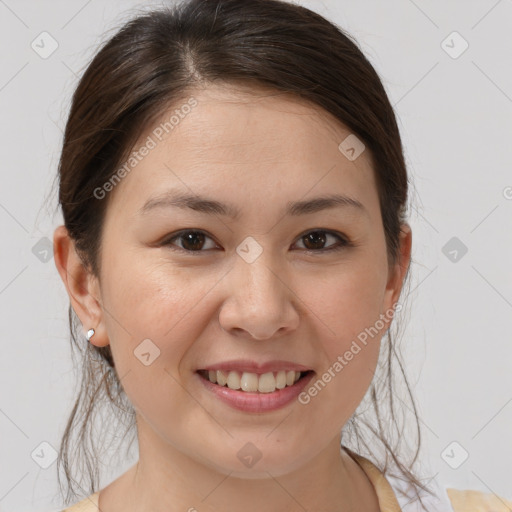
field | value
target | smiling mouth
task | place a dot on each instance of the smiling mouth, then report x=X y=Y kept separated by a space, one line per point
x=252 y=382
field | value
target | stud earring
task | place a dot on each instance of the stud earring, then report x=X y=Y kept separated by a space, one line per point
x=90 y=334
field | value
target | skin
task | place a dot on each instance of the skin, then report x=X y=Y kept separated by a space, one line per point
x=257 y=150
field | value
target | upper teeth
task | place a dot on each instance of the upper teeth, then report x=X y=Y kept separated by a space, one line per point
x=264 y=383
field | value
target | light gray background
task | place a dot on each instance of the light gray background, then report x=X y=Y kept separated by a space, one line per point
x=455 y=116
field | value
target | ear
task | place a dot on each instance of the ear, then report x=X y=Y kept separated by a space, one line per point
x=82 y=287
x=398 y=271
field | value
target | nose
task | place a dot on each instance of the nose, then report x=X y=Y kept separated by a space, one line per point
x=260 y=301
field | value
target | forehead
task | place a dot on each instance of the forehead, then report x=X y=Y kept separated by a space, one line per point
x=233 y=122
x=256 y=144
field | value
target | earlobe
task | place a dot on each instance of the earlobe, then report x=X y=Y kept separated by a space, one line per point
x=81 y=285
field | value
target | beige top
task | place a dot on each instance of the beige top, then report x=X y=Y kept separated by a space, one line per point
x=461 y=501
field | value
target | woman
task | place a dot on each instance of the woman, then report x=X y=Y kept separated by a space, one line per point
x=235 y=247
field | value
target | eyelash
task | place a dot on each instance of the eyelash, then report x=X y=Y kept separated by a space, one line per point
x=343 y=241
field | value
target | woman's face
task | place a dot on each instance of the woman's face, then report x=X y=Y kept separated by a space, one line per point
x=245 y=287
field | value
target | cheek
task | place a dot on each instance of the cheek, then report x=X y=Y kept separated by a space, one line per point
x=152 y=295
x=151 y=329
x=151 y=301
x=350 y=347
x=345 y=302
x=347 y=307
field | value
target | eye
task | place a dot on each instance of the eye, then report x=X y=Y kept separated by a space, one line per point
x=318 y=237
x=193 y=240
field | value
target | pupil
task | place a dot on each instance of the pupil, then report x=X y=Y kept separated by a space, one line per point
x=316 y=237
x=190 y=240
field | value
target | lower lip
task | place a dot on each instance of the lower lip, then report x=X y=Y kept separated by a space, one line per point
x=257 y=402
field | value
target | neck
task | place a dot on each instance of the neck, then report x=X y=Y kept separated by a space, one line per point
x=166 y=479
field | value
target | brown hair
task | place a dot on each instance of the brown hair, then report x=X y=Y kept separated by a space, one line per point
x=154 y=61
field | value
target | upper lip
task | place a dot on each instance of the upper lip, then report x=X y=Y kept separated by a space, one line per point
x=245 y=365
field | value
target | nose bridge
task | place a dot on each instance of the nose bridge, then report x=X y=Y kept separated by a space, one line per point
x=257 y=299
x=259 y=285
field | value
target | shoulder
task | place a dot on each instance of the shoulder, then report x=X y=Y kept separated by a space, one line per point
x=449 y=499
x=477 y=501
x=406 y=496
x=89 y=504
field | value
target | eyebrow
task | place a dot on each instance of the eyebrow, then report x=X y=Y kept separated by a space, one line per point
x=212 y=207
